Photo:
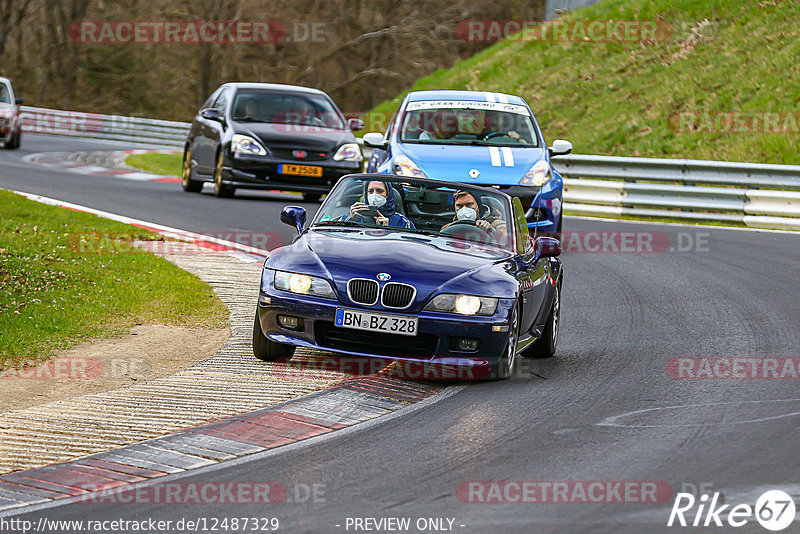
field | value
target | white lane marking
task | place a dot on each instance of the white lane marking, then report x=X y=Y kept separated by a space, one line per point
x=135 y=176
x=508 y=156
x=503 y=99
x=614 y=420
x=494 y=153
x=489 y=96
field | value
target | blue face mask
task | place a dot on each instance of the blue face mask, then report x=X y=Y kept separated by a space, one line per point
x=376 y=200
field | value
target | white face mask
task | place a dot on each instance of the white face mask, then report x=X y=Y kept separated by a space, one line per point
x=376 y=200
x=466 y=214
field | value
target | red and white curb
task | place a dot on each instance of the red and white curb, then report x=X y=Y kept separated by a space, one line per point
x=243 y=252
x=100 y=163
x=356 y=400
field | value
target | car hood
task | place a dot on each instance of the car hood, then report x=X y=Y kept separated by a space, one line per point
x=454 y=163
x=431 y=264
x=290 y=136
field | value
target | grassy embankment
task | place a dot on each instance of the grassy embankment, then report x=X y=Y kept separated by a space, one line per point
x=66 y=277
x=624 y=98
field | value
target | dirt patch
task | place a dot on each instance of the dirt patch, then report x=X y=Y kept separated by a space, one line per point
x=147 y=352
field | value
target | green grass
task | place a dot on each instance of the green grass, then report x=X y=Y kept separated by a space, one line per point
x=67 y=276
x=163 y=164
x=618 y=98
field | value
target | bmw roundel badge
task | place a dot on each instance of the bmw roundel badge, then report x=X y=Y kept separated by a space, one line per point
x=384 y=277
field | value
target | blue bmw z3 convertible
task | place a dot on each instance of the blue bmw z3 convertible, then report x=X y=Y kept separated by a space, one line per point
x=478 y=138
x=412 y=270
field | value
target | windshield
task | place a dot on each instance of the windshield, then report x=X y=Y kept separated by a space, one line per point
x=466 y=122
x=411 y=206
x=5 y=96
x=253 y=105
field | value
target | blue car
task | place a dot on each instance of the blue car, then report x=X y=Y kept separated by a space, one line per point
x=477 y=138
x=412 y=270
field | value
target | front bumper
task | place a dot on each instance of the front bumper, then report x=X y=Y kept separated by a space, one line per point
x=262 y=172
x=434 y=344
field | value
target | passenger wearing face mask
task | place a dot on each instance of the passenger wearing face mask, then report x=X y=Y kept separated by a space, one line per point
x=468 y=208
x=378 y=194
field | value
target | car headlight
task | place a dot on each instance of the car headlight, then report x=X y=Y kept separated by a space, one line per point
x=463 y=304
x=244 y=144
x=348 y=152
x=303 y=284
x=403 y=166
x=538 y=175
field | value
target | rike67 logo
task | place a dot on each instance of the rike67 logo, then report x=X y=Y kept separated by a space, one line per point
x=774 y=510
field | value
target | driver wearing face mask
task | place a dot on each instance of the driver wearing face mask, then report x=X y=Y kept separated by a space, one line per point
x=378 y=194
x=469 y=207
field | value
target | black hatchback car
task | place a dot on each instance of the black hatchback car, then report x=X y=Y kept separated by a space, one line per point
x=270 y=136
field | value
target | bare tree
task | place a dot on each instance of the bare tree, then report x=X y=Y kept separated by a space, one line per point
x=12 y=13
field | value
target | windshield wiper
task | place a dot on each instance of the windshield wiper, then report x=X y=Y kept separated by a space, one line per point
x=247 y=119
x=343 y=223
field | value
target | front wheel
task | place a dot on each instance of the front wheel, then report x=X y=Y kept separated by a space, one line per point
x=507 y=364
x=267 y=350
x=221 y=189
x=545 y=346
x=189 y=185
x=14 y=141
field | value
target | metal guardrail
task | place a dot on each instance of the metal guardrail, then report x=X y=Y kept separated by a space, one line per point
x=754 y=194
x=108 y=127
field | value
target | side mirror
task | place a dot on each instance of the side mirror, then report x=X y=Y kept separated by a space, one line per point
x=375 y=140
x=548 y=247
x=211 y=114
x=560 y=148
x=19 y=101
x=355 y=124
x=294 y=216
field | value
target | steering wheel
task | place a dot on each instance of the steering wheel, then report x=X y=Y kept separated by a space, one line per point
x=489 y=135
x=460 y=229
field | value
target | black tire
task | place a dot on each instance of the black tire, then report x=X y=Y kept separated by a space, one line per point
x=189 y=185
x=505 y=367
x=312 y=197
x=14 y=141
x=221 y=190
x=545 y=346
x=267 y=350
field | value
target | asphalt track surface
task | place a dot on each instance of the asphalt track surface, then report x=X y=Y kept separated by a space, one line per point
x=603 y=409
